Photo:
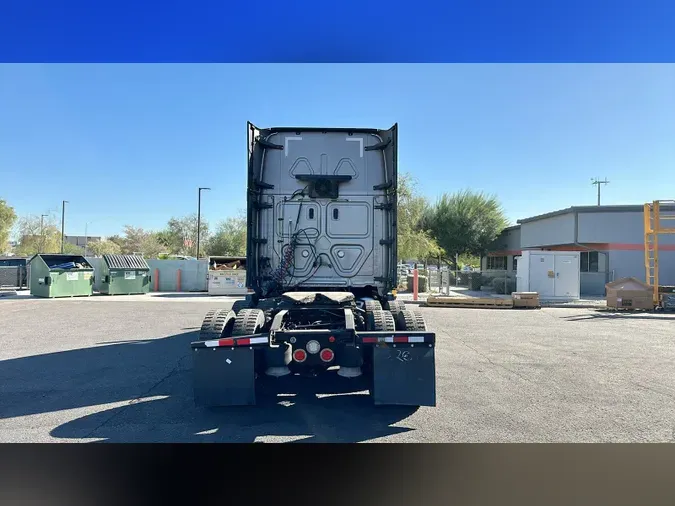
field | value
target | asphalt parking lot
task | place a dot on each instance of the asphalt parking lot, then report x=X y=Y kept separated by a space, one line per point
x=119 y=370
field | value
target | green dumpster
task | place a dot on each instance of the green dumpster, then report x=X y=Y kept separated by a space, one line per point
x=60 y=276
x=124 y=275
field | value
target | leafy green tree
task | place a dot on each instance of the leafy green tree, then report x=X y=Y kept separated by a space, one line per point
x=107 y=247
x=465 y=222
x=414 y=240
x=71 y=249
x=229 y=238
x=138 y=240
x=180 y=236
x=38 y=235
x=7 y=219
x=469 y=260
x=117 y=239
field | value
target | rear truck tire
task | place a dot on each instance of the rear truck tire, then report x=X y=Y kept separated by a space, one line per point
x=396 y=306
x=217 y=323
x=380 y=320
x=372 y=305
x=410 y=320
x=248 y=321
x=421 y=322
x=267 y=306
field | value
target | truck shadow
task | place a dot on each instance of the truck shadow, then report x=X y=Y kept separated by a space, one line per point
x=604 y=314
x=141 y=391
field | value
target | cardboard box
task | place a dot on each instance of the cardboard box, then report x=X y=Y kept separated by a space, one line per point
x=525 y=299
x=629 y=293
x=668 y=301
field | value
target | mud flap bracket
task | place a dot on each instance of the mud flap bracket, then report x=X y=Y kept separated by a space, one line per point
x=223 y=376
x=404 y=375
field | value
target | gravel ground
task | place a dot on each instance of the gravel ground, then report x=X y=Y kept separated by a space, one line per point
x=119 y=370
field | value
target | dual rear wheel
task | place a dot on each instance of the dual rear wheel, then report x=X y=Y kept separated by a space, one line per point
x=397 y=317
x=243 y=319
x=220 y=323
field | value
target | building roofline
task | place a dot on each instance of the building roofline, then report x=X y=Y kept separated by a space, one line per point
x=593 y=209
x=511 y=227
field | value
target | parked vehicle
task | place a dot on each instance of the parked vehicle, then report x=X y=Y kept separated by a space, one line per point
x=322 y=263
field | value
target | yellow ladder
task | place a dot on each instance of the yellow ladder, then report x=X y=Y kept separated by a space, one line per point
x=653 y=227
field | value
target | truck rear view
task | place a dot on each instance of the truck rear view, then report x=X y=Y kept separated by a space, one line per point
x=322 y=265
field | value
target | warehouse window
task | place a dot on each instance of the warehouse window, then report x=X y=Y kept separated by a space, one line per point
x=589 y=261
x=496 y=263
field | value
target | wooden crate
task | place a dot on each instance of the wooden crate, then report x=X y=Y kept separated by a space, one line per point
x=468 y=302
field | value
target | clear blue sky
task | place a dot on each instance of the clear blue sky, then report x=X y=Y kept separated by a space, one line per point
x=130 y=144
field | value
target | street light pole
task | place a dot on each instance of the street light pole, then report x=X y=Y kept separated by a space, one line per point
x=199 y=216
x=42 y=234
x=63 y=222
x=86 y=238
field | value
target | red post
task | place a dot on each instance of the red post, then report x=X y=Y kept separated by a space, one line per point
x=156 y=280
x=415 y=283
x=178 y=280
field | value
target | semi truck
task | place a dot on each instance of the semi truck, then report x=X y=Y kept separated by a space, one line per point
x=321 y=269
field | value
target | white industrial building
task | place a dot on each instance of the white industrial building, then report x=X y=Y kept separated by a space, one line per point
x=609 y=241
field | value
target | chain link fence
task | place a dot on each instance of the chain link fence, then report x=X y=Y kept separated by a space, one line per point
x=13 y=277
x=438 y=281
x=444 y=280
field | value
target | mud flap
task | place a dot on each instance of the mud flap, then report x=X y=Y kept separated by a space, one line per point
x=223 y=376
x=404 y=375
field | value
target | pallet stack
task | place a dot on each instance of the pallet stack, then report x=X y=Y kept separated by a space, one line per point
x=519 y=300
x=479 y=302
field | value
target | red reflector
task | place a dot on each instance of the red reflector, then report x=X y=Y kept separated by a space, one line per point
x=226 y=342
x=331 y=339
x=299 y=355
x=244 y=342
x=369 y=340
x=327 y=355
x=400 y=339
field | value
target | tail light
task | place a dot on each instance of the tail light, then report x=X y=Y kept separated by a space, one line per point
x=327 y=355
x=299 y=355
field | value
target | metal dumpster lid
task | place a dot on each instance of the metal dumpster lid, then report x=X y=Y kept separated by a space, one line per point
x=125 y=262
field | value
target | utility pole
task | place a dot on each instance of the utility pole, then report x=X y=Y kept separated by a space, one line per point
x=86 y=238
x=42 y=234
x=63 y=222
x=199 y=216
x=597 y=182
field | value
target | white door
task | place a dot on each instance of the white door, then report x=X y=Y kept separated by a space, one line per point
x=521 y=281
x=542 y=277
x=566 y=276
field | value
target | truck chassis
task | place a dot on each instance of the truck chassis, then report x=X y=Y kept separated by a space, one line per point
x=312 y=332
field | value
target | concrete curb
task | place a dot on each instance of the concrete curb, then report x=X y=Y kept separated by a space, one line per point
x=573 y=306
x=543 y=305
x=415 y=302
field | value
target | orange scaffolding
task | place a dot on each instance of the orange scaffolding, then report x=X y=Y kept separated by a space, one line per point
x=653 y=215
